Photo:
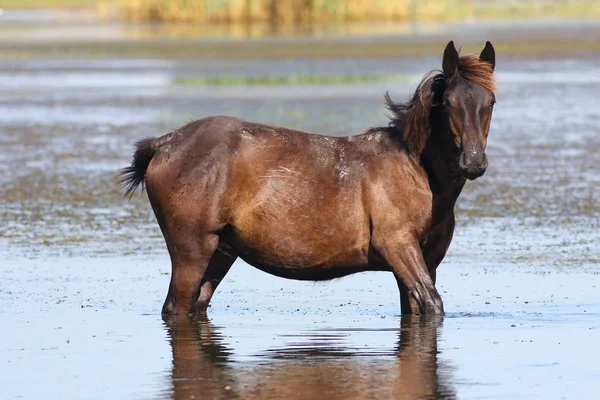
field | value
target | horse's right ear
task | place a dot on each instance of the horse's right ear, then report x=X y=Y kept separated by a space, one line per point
x=450 y=61
x=488 y=54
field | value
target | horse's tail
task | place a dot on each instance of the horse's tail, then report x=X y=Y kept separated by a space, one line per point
x=131 y=177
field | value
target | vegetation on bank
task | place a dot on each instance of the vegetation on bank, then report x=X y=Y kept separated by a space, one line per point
x=39 y=4
x=295 y=11
x=290 y=11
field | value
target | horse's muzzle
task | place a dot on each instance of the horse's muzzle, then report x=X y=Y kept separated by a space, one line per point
x=473 y=164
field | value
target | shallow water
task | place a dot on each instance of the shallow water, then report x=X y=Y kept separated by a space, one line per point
x=84 y=272
x=89 y=328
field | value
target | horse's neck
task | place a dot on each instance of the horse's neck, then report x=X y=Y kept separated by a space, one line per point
x=445 y=181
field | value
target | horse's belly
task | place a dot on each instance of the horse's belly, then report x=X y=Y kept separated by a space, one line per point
x=302 y=259
x=308 y=251
x=300 y=225
x=306 y=272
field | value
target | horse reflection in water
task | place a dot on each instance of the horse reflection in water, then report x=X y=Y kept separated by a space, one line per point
x=199 y=359
x=202 y=367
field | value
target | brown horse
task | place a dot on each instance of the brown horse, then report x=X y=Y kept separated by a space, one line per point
x=312 y=207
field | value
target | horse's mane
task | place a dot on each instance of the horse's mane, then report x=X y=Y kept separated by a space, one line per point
x=411 y=119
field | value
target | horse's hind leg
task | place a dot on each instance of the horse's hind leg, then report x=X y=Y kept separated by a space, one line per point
x=218 y=266
x=190 y=255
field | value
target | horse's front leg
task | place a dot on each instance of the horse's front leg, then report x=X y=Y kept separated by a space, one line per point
x=408 y=304
x=437 y=245
x=402 y=253
x=407 y=301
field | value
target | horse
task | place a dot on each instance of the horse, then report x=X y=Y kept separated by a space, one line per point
x=306 y=206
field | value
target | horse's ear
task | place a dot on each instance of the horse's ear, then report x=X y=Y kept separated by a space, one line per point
x=488 y=54
x=450 y=62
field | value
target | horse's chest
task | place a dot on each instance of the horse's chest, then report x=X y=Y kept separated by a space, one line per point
x=437 y=241
x=439 y=233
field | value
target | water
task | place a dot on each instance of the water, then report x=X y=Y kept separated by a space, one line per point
x=89 y=328
x=84 y=272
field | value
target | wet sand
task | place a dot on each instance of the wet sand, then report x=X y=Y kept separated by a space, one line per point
x=84 y=272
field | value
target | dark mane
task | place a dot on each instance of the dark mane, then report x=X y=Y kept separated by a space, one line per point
x=411 y=119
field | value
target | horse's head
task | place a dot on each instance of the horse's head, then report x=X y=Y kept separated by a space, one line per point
x=468 y=101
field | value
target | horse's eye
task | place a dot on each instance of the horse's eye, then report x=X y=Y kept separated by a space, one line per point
x=492 y=103
x=447 y=103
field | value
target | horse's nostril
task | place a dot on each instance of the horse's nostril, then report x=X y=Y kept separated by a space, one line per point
x=462 y=162
x=473 y=161
x=484 y=163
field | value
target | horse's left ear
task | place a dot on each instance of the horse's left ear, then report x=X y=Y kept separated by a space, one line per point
x=488 y=54
x=450 y=60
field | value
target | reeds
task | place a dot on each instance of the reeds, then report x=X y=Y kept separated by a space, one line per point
x=294 y=11
x=289 y=12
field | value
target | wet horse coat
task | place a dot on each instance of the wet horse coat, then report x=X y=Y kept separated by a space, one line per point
x=313 y=207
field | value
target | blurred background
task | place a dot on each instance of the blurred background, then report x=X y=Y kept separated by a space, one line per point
x=82 y=80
